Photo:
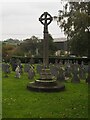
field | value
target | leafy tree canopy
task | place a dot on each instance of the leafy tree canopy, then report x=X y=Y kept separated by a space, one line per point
x=75 y=21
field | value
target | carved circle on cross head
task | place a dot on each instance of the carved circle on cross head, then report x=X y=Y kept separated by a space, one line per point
x=45 y=18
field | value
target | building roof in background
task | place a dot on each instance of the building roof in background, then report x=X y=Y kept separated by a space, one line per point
x=63 y=39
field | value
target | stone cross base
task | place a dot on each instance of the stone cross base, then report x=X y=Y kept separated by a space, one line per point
x=46 y=83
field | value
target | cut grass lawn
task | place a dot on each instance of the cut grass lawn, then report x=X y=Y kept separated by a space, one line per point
x=0 y=92
x=18 y=102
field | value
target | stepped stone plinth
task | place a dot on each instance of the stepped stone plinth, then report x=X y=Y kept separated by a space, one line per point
x=46 y=83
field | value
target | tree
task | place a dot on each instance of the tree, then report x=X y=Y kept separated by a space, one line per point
x=29 y=45
x=75 y=21
x=52 y=47
x=7 y=51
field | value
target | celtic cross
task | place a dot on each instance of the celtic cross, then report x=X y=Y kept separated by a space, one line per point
x=45 y=19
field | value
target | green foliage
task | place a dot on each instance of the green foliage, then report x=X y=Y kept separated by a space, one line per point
x=18 y=102
x=75 y=21
x=52 y=47
x=7 y=51
x=29 y=46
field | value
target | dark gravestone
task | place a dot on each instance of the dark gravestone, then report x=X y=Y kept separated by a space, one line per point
x=61 y=75
x=14 y=65
x=3 y=67
x=6 y=69
x=21 y=68
x=31 y=61
x=39 y=68
x=18 y=62
x=88 y=76
x=31 y=73
x=75 y=77
x=82 y=72
x=67 y=70
x=26 y=67
x=54 y=70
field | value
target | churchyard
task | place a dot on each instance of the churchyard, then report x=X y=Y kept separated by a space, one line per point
x=19 y=102
x=45 y=90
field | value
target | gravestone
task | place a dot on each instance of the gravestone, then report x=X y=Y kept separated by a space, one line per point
x=31 y=61
x=75 y=78
x=17 y=72
x=39 y=68
x=60 y=65
x=67 y=70
x=18 y=62
x=14 y=65
x=54 y=70
x=6 y=69
x=61 y=75
x=26 y=67
x=3 y=67
x=82 y=72
x=31 y=73
x=88 y=76
x=21 y=68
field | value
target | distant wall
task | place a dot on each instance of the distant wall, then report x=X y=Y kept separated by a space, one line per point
x=51 y=59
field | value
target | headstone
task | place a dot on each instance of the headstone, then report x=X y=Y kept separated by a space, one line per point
x=17 y=72
x=82 y=72
x=26 y=67
x=61 y=75
x=31 y=73
x=88 y=75
x=39 y=68
x=14 y=65
x=54 y=70
x=67 y=69
x=60 y=64
x=18 y=61
x=40 y=62
x=75 y=78
x=6 y=69
x=3 y=67
x=31 y=61
x=21 y=68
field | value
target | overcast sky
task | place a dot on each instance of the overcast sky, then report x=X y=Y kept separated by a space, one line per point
x=19 y=20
